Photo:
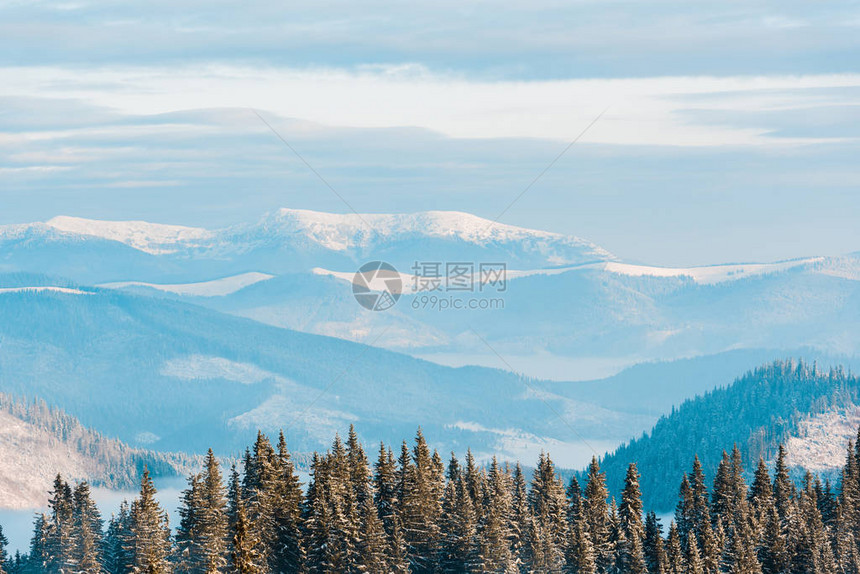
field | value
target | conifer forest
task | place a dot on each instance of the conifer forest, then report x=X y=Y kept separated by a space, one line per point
x=411 y=511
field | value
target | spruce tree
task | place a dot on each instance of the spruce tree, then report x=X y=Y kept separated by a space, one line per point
x=653 y=548
x=421 y=506
x=149 y=543
x=244 y=555
x=676 y=563
x=548 y=508
x=494 y=531
x=630 y=554
x=87 y=553
x=596 y=515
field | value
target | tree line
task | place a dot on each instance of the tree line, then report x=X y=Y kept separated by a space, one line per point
x=412 y=512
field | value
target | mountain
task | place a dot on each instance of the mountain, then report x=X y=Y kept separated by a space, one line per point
x=813 y=411
x=288 y=240
x=167 y=375
x=567 y=304
x=37 y=442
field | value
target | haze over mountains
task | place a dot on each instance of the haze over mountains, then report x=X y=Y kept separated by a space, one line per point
x=567 y=302
x=168 y=336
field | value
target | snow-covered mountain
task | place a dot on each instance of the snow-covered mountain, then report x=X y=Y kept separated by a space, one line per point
x=569 y=302
x=287 y=240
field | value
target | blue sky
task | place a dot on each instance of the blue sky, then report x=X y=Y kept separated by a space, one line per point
x=731 y=130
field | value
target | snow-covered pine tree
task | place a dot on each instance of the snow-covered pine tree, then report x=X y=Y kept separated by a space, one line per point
x=694 y=560
x=245 y=556
x=629 y=553
x=520 y=518
x=4 y=557
x=287 y=554
x=774 y=554
x=597 y=516
x=149 y=544
x=87 y=552
x=675 y=560
x=653 y=548
x=548 y=508
x=59 y=544
x=783 y=487
x=421 y=506
x=188 y=553
x=385 y=488
x=117 y=542
x=494 y=532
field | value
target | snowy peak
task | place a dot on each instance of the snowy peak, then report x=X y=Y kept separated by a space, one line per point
x=340 y=232
x=154 y=238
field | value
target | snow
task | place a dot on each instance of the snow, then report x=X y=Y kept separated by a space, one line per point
x=709 y=274
x=153 y=238
x=32 y=457
x=67 y=290
x=201 y=368
x=821 y=440
x=340 y=232
x=213 y=288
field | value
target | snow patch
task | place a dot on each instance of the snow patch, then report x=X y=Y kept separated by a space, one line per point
x=821 y=440
x=67 y=290
x=201 y=367
x=213 y=288
x=710 y=274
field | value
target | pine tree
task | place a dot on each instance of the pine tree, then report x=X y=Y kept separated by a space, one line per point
x=188 y=555
x=149 y=543
x=245 y=556
x=421 y=506
x=4 y=557
x=631 y=558
x=581 y=554
x=520 y=518
x=674 y=552
x=385 y=488
x=774 y=553
x=494 y=533
x=783 y=488
x=596 y=515
x=653 y=549
x=699 y=516
x=87 y=526
x=39 y=558
x=287 y=554
x=117 y=542
x=694 y=560
x=548 y=508
x=59 y=544
x=459 y=548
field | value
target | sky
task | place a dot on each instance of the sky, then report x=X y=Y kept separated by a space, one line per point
x=727 y=131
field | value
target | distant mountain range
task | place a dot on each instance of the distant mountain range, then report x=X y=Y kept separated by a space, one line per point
x=568 y=303
x=162 y=334
x=172 y=376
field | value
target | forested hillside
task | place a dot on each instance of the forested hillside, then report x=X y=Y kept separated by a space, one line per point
x=412 y=512
x=757 y=412
x=37 y=441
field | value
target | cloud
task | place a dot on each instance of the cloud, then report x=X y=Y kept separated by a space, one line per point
x=642 y=111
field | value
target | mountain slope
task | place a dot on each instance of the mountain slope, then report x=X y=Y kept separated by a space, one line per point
x=771 y=405
x=174 y=376
x=37 y=442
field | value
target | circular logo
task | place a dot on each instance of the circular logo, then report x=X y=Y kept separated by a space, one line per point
x=377 y=286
